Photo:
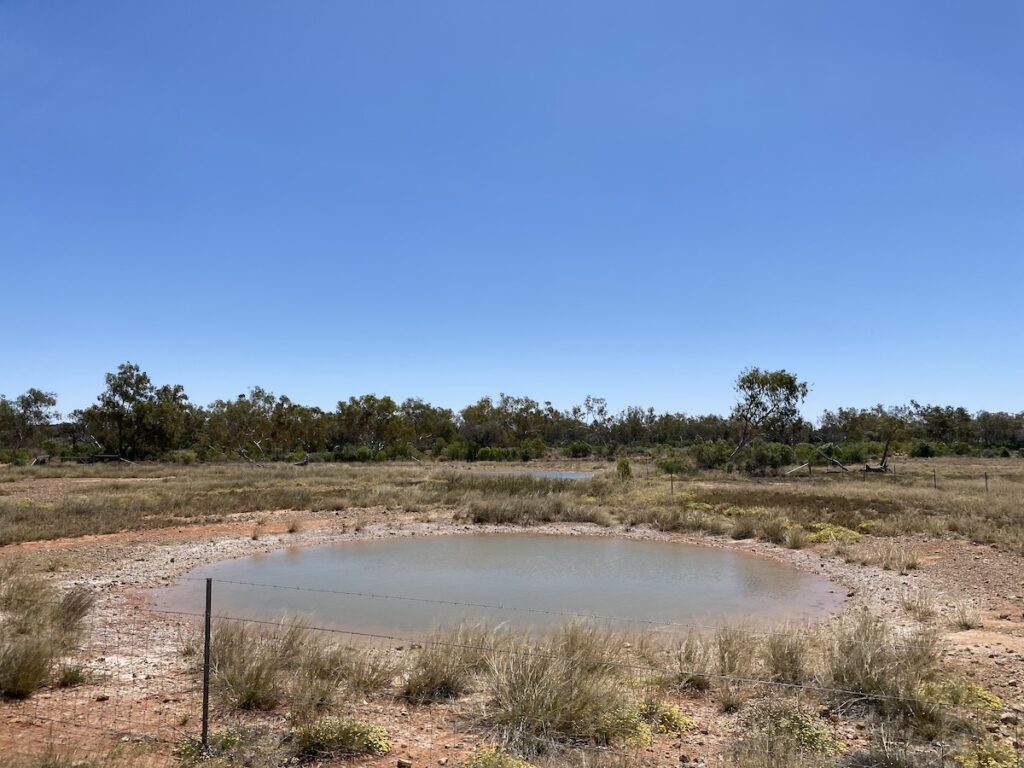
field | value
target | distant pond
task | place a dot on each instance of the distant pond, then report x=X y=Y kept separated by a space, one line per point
x=550 y=474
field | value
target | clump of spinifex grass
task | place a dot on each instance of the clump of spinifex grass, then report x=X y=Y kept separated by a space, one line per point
x=532 y=511
x=567 y=686
x=260 y=667
x=448 y=663
x=250 y=663
x=865 y=654
x=38 y=628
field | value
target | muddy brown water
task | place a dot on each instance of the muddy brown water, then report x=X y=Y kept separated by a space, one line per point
x=531 y=581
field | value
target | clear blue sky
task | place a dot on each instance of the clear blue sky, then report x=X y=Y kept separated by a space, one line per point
x=451 y=199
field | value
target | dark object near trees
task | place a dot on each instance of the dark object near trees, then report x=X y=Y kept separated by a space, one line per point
x=883 y=465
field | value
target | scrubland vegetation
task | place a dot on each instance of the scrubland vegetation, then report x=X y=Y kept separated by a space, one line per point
x=135 y=419
x=540 y=700
x=287 y=691
x=39 y=626
x=863 y=690
x=843 y=508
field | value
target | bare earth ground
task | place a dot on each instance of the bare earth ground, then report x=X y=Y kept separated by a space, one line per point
x=141 y=680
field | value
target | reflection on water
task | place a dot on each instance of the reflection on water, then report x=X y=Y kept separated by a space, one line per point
x=606 y=576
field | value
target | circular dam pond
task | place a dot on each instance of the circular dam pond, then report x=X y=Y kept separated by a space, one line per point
x=413 y=583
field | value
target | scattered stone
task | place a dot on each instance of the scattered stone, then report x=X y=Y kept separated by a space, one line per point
x=102 y=697
x=404 y=763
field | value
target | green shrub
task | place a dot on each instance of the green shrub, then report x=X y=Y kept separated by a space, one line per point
x=491 y=757
x=624 y=470
x=922 y=449
x=328 y=736
x=671 y=466
x=824 y=533
x=665 y=718
x=708 y=454
x=789 y=728
x=759 y=456
x=532 y=449
x=578 y=450
x=987 y=753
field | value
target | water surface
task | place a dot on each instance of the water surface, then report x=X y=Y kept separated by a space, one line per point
x=607 y=576
x=549 y=474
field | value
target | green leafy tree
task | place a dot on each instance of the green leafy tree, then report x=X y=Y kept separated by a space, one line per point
x=137 y=420
x=23 y=418
x=115 y=422
x=769 y=401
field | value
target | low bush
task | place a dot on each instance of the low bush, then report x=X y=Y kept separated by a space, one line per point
x=339 y=737
x=39 y=627
x=744 y=527
x=665 y=718
x=796 y=537
x=368 y=671
x=780 y=733
x=774 y=529
x=691 y=663
x=735 y=652
x=987 y=753
x=760 y=457
x=445 y=667
x=564 y=688
x=786 y=655
x=828 y=533
x=672 y=466
x=624 y=470
x=578 y=450
x=491 y=757
x=711 y=454
x=864 y=653
x=249 y=664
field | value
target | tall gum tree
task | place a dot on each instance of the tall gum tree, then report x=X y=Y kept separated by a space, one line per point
x=768 y=401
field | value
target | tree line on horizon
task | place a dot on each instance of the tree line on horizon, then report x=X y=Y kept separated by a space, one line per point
x=135 y=419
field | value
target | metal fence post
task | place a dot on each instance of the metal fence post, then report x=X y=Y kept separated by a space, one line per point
x=206 y=664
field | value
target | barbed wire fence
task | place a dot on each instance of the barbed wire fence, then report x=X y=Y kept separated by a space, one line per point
x=147 y=687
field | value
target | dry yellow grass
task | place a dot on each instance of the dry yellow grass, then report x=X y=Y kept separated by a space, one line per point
x=57 y=501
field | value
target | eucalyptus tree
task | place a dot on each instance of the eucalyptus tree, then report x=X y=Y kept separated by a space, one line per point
x=769 y=401
x=22 y=418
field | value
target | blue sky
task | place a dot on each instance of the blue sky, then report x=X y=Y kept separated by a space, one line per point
x=452 y=199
